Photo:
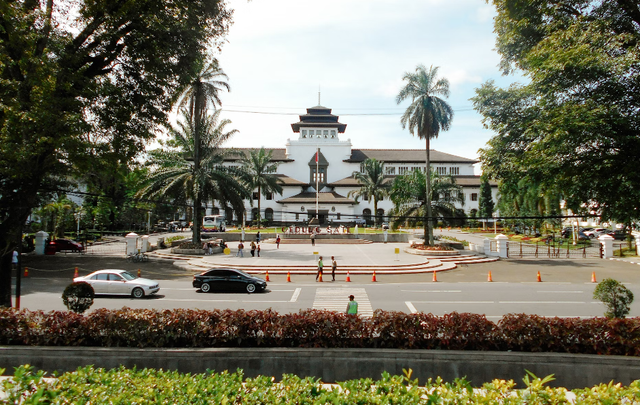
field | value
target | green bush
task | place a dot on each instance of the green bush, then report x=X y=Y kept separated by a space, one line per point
x=99 y=386
x=128 y=327
x=615 y=296
x=78 y=297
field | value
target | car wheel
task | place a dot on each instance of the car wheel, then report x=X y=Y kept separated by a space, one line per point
x=251 y=288
x=137 y=292
x=205 y=287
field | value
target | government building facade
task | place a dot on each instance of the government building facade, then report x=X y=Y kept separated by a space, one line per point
x=319 y=130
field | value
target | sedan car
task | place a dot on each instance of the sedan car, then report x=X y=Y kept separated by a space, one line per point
x=228 y=280
x=120 y=282
x=62 y=245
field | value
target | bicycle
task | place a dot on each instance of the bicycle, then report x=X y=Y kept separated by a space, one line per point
x=137 y=257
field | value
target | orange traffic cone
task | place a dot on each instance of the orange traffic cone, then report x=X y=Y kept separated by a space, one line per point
x=75 y=273
x=539 y=278
x=26 y=272
x=348 y=280
x=593 y=277
x=373 y=278
x=435 y=278
x=139 y=273
x=267 y=276
x=288 y=277
x=320 y=278
x=489 y=278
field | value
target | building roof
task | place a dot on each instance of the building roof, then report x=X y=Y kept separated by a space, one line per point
x=277 y=154
x=353 y=182
x=472 y=181
x=463 y=180
x=318 y=116
x=290 y=181
x=405 y=156
x=323 y=198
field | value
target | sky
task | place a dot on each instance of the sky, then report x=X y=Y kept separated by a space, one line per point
x=280 y=53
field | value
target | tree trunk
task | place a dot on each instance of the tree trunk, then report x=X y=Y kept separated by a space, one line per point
x=197 y=220
x=259 y=207
x=428 y=229
x=375 y=212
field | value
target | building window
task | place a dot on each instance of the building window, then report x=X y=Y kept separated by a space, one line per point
x=311 y=133
x=403 y=170
x=268 y=214
x=390 y=170
x=333 y=133
x=338 y=217
x=454 y=170
x=256 y=196
x=304 y=133
x=474 y=196
x=321 y=178
x=361 y=167
x=441 y=170
x=269 y=196
x=326 y=133
x=297 y=216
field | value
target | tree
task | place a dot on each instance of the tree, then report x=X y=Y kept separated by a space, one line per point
x=174 y=174
x=373 y=185
x=615 y=296
x=408 y=196
x=485 y=202
x=574 y=126
x=260 y=171
x=425 y=117
x=73 y=70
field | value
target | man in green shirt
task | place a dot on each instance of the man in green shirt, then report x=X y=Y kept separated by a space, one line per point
x=320 y=266
x=352 y=306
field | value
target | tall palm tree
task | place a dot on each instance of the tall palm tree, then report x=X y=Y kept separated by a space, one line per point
x=408 y=196
x=174 y=173
x=372 y=184
x=260 y=171
x=425 y=117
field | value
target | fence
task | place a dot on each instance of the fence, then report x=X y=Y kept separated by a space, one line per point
x=553 y=250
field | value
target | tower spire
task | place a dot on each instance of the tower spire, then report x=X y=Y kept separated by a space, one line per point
x=319 y=95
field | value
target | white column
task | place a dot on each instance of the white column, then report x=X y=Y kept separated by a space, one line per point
x=607 y=246
x=502 y=241
x=637 y=244
x=41 y=238
x=487 y=247
x=132 y=243
x=146 y=247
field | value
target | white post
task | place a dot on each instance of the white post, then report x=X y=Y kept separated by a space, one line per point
x=317 y=180
x=502 y=241
x=132 y=243
x=41 y=238
x=637 y=244
x=487 y=247
x=146 y=247
x=607 y=246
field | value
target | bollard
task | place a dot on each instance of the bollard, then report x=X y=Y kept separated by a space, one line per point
x=489 y=278
x=139 y=273
x=539 y=278
x=348 y=280
x=435 y=278
x=75 y=273
x=288 y=277
x=26 y=272
x=267 y=276
x=373 y=278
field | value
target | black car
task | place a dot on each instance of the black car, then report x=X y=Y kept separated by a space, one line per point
x=228 y=280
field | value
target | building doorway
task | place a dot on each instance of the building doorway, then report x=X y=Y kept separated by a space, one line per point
x=322 y=216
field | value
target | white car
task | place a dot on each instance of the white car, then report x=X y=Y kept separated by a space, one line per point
x=119 y=282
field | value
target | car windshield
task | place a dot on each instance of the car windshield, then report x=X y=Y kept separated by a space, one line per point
x=128 y=276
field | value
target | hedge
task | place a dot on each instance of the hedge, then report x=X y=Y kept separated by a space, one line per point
x=324 y=329
x=99 y=386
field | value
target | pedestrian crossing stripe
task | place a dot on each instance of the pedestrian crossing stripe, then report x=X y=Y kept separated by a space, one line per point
x=336 y=299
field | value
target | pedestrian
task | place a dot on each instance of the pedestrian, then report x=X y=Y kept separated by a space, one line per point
x=210 y=248
x=205 y=247
x=352 y=306
x=320 y=266
x=334 y=266
x=253 y=249
x=278 y=242
x=14 y=259
x=258 y=249
x=240 y=249
x=258 y=237
x=313 y=238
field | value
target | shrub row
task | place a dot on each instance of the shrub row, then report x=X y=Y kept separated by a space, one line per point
x=312 y=328
x=98 y=386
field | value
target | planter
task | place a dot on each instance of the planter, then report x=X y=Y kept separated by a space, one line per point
x=195 y=252
x=420 y=252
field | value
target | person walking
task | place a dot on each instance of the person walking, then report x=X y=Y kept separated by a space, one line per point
x=258 y=249
x=334 y=266
x=352 y=306
x=320 y=266
x=258 y=237
x=240 y=249
x=313 y=238
x=278 y=242
x=253 y=249
x=14 y=260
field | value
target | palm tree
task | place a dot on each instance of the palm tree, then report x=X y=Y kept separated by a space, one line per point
x=372 y=184
x=175 y=174
x=260 y=170
x=425 y=117
x=408 y=196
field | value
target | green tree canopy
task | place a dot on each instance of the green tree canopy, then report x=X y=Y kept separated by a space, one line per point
x=575 y=125
x=426 y=116
x=261 y=174
x=373 y=185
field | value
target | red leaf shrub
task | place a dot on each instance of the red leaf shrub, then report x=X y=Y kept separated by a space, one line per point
x=323 y=329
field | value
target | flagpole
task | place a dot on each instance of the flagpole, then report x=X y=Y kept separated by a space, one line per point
x=317 y=178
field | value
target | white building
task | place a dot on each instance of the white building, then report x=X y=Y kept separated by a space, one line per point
x=319 y=129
